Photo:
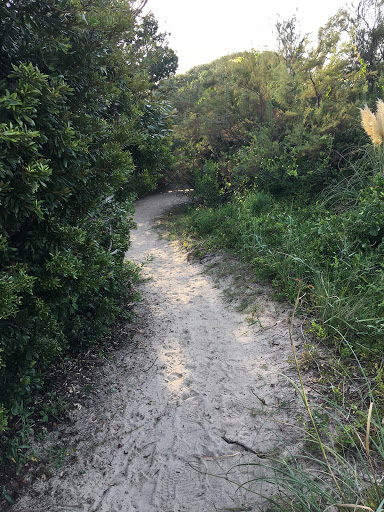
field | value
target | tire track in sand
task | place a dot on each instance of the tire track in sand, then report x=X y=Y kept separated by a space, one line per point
x=189 y=379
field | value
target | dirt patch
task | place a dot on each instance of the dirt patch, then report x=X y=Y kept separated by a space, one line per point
x=198 y=391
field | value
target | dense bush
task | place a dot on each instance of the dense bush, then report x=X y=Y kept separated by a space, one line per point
x=281 y=122
x=337 y=256
x=273 y=145
x=83 y=127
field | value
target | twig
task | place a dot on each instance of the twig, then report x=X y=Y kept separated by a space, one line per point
x=247 y=448
x=220 y=457
x=147 y=370
x=261 y=399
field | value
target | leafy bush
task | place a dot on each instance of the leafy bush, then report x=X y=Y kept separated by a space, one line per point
x=368 y=228
x=82 y=128
x=207 y=185
x=285 y=242
x=257 y=203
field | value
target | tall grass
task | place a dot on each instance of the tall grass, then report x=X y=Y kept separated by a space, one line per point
x=342 y=468
x=342 y=289
x=334 y=246
x=341 y=271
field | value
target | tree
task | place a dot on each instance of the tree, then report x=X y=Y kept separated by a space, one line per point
x=292 y=43
x=369 y=31
x=161 y=60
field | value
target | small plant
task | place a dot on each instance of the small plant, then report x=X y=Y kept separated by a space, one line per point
x=56 y=455
x=308 y=355
x=317 y=330
x=52 y=407
x=257 y=203
x=354 y=477
x=206 y=184
x=6 y=496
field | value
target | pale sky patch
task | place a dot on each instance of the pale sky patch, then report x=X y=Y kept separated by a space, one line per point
x=204 y=30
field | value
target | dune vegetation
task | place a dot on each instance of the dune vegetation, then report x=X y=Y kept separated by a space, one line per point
x=84 y=128
x=284 y=153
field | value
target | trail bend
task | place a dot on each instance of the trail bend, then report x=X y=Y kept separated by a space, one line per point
x=195 y=376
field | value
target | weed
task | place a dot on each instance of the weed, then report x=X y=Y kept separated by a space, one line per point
x=308 y=355
x=317 y=330
x=56 y=454
x=336 y=256
x=17 y=448
x=342 y=281
x=253 y=318
x=244 y=304
x=148 y=259
x=52 y=407
x=6 y=496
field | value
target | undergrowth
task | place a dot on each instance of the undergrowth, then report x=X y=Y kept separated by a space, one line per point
x=26 y=442
x=338 y=461
x=338 y=257
x=333 y=248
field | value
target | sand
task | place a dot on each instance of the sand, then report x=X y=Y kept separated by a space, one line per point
x=195 y=376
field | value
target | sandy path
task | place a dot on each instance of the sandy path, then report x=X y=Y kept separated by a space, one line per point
x=189 y=378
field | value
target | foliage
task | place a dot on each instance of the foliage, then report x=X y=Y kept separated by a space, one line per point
x=207 y=186
x=84 y=126
x=329 y=474
x=335 y=256
x=274 y=134
x=288 y=180
x=291 y=43
x=278 y=121
x=368 y=35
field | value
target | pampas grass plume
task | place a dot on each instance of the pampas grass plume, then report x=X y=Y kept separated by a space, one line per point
x=373 y=124
x=380 y=118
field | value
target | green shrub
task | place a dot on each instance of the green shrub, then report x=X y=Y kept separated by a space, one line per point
x=368 y=226
x=206 y=184
x=257 y=203
x=286 y=242
x=82 y=128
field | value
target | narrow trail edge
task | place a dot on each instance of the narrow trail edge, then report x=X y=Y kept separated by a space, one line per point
x=185 y=388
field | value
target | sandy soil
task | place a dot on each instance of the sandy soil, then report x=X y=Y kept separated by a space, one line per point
x=195 y=377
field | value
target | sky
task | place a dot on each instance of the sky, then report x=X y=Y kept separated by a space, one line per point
x=204 y=30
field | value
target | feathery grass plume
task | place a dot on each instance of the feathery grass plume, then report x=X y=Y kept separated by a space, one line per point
x=380 y=118
x=374 y=124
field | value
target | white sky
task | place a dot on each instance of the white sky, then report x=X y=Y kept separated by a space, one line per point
x=204 y=30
